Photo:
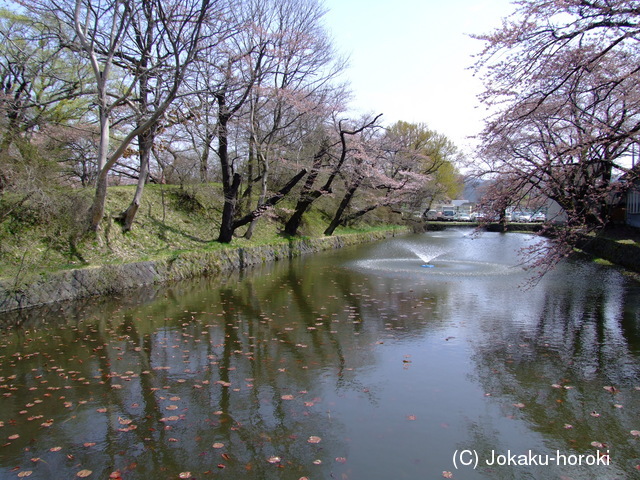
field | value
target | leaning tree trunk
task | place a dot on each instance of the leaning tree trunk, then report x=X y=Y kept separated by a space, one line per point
x=360 y=213
x=346 y=200
x=271 y=202
x=307 y=196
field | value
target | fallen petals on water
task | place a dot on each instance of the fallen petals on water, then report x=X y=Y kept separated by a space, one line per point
x=314 y=439
x=84 y=473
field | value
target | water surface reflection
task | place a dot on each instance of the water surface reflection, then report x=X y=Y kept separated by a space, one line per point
x=360 y=363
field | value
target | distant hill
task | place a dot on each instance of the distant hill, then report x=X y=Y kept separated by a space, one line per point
x=473 y=189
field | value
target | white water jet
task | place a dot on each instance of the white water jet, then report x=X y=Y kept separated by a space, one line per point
x=440 y=259
x=425 y=255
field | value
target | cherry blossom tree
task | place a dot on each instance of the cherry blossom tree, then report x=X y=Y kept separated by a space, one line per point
x=299 y=89
x=414 y=147
x=331 y=156
x=562 y=91
x=264 y=82
x=391 y=168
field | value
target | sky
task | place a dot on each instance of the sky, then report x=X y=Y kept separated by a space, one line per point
x=410 y=59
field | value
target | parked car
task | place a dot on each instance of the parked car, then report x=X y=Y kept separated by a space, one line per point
x=478 y=216
x=432 y=215
x=518 y=216
x=463 y=217
x=448 y=215
x=539 y=217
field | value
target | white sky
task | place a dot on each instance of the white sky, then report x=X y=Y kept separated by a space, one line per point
x=409 y=59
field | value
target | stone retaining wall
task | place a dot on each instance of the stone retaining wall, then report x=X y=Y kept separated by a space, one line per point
x=622 y=254
x=112 y=279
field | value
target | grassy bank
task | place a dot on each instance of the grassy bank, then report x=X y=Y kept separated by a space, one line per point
x=171 y=220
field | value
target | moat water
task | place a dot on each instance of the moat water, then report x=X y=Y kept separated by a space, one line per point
x=422 y=356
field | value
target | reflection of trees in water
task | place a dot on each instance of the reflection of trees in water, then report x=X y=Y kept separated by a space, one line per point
x=242 y=364
x=558 y=363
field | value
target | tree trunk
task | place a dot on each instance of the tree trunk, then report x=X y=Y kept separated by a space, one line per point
x=307 y=196
x=229 y=210
x=305 y=201
x=271 y=202
x=230 y=181
x=346 y=200
x=103 y=148
x=502 y=221
x=204 y=159
x=145 y=141
x=97 y=207
x=349 y=218
x=263 y=194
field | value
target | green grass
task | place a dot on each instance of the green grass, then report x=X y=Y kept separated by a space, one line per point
x=170 y=220
x=602 y=261
x=627 y=241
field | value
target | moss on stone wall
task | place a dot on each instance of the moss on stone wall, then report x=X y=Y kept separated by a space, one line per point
x=112 y=279
x=626 y=255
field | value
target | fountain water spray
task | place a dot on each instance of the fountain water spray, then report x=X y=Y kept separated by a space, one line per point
x=425 y=256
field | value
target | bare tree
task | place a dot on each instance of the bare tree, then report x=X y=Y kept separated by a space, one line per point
x=297 y=89
x=263 y=81
x=153 y=51
x=102 y=31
